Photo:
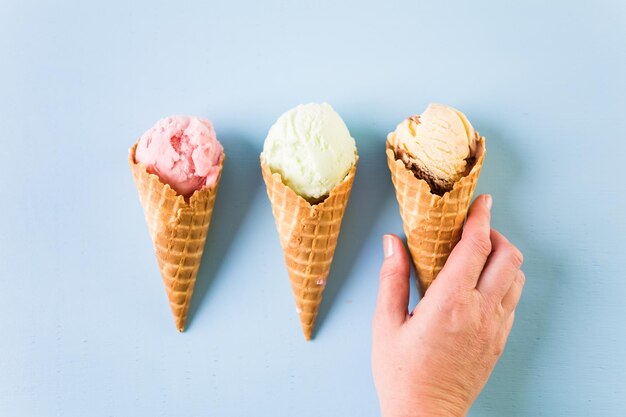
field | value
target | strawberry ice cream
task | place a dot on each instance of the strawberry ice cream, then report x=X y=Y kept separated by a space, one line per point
x=183 y=152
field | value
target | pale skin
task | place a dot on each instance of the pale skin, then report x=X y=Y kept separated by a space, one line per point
x=435 y=360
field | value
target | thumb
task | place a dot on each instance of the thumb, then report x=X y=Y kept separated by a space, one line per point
x=393 y=293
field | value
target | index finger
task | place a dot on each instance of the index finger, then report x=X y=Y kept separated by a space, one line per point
x=466 y=262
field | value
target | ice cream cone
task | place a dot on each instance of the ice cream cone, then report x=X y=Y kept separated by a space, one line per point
x=432 y=223
x=308 y=235
x=178 y=229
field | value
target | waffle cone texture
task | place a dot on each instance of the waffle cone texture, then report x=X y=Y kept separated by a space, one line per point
x=178 y=229
x=432 y=223
x=308 y=235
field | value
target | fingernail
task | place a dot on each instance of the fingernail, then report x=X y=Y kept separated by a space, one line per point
x=388 y=245
x=488 y=201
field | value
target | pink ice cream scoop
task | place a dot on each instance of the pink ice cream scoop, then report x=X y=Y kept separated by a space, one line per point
x=183 y=151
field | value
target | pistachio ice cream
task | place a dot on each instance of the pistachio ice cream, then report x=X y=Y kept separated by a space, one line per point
x=311 y=148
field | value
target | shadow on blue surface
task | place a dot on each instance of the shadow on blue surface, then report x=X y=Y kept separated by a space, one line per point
x=510 y=382
x=234 y=197
x=372 y=187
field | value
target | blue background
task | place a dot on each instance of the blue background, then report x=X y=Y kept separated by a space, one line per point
x=84 y=324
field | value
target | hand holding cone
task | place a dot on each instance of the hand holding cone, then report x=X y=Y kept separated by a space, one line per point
x=433 y=223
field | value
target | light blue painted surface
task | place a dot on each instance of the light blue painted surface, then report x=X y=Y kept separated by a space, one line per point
x=84 y=324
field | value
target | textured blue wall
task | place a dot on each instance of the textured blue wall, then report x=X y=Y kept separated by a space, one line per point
x=84 y=323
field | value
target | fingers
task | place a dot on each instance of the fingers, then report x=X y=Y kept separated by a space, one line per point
x=511 y=299
x=509 y=324
x=501 y=267
x=393 y=293
x=505 y=332
x=463 y=267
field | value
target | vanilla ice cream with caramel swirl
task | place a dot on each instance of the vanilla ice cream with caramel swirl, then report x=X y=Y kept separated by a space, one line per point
x=438 y=145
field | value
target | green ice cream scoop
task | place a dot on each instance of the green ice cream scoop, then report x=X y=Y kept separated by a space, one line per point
x=311 y=148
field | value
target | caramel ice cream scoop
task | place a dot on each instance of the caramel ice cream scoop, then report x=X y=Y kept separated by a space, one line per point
x=437 y=145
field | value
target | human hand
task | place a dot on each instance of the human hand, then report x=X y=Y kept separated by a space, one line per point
x=436 y=360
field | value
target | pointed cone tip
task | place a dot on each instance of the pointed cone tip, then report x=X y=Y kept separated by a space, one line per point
x=308 y=332
x=180 y=325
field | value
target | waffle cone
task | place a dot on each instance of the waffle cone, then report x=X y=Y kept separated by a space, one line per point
x=308 y=235
x=178 y=230
x=432 y=223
